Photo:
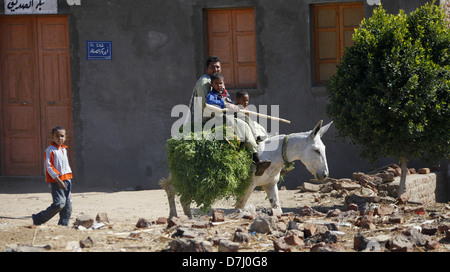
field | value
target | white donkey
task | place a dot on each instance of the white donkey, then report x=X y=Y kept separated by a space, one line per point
x=305 y=146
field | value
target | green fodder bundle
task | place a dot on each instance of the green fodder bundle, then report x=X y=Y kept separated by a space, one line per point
x=204 y=170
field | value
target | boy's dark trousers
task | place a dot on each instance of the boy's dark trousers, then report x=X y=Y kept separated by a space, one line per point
x=62 y=204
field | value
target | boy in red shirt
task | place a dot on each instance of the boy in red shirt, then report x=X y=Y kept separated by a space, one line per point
x=58 y=175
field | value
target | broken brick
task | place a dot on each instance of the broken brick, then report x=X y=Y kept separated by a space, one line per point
x=309 y=229
x=293 y=240
x=102 y=217
x=432 y=245
x=87 y=243
x=384 y=210
x=444 y=227
x=429 y=229
x=360 y=242
x=352 y=207
x=175 y=221
x=190 y=245
x=228 y=246
x=396 y=219
x=241 y=237
x=281 y=245
x=201 y=224
x=324 y=247
x=424 y=171
x=161 y=221
x=333 y=213
x=143 y=223
x=218 y=215
x=400 y=243
x=84 y=220
x=403 y=198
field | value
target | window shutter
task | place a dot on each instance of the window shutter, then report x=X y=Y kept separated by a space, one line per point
x=231 y=37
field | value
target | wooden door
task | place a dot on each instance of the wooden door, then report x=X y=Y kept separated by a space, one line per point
x=54 y=72
x=20 y=97
x=35 y=89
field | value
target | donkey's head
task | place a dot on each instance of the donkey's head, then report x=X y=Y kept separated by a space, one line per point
x=313 y=153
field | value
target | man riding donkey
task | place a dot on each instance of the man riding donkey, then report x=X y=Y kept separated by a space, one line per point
x=271 y=156
x=205 y=92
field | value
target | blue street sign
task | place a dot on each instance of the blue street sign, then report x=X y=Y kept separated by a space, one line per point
x=99 y=50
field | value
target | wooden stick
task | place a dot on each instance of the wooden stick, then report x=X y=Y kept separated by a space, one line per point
x=34 y=237
x=211 y=107
x=266 y=116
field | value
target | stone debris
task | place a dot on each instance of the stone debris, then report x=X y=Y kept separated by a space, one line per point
x=218 y=216
x=186 y=232
x=324 y=247
x=241 y=237
x=160 y=221
x=190 y=245
x=87 y=243
x=263 y=224
x=201 y=224
x=380 y=183
x=102 y=217
x=384 y=210
x=294 y=239
x=84 y=220
x=429 y=229
x=177 y=221
x=310 y=187
x=281 y=245
x=143 y=223
x=327 y=237
x=228 y=246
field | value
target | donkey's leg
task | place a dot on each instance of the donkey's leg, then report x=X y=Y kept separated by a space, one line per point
x=187 y=208
x=272 y=193
x=166 y=184
x=240 y=204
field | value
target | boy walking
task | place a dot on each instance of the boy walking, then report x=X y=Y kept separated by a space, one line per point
x=58 y=174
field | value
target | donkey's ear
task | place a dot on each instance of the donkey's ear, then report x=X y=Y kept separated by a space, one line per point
x=316 y=130
x=325 y=128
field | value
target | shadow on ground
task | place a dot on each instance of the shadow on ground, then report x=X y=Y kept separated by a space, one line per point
x=33 y=185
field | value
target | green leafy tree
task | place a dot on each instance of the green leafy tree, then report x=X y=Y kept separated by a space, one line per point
x=390 y=94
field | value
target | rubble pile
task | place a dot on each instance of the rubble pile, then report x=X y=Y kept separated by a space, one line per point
x=377 y=184
x=385 y=228
x=369 y=217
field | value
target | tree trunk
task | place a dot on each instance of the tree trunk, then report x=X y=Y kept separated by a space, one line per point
x=401 y=189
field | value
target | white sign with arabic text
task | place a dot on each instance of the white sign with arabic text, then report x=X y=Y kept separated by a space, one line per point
x=31 y=7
